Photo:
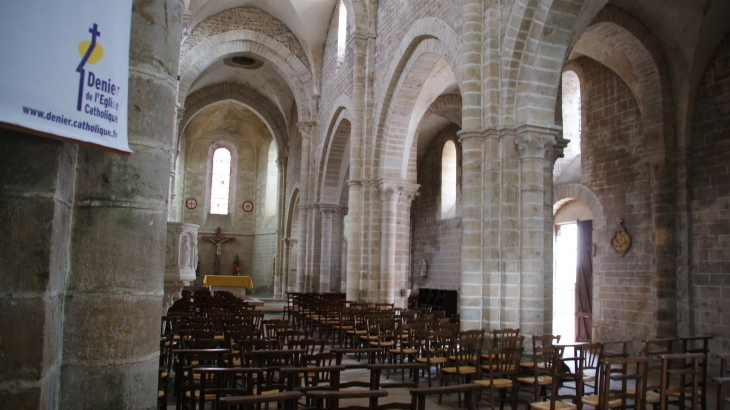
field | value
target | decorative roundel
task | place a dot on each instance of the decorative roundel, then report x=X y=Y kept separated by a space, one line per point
x=191 y=203
x=247 y=206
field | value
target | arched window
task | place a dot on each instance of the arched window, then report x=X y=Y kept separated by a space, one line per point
x=220 y=184
x=448 y=180
x=341 y=33
x=272 y=182
x=571 y=113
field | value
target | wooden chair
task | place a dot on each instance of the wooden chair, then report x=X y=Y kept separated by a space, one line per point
x=216 y=382
x=332 y=398
x=418 y=396
x=412 y=340
x=680 y=383
x=653 y=350
x=699 y=344
x=501 y=369
x=621 y=371
x=552 y=359
x=588 y=370
x=187 y=360
x=375 y=383
x=723 y=382
x=464 y=359
x=539 y=341
x=288 y=400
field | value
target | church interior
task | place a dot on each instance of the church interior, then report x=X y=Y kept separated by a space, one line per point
x=557 y=165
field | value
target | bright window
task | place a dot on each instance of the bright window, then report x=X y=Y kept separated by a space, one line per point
x=571 y=113
x=220 y=186
x=272 y=181
x=448 y=180
x=341 y=33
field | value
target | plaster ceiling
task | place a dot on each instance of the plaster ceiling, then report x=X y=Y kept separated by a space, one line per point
x=228 y=119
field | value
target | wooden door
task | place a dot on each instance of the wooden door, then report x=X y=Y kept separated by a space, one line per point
x=584 y=282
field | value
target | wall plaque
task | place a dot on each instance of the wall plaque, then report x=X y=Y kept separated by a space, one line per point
x=621 y=241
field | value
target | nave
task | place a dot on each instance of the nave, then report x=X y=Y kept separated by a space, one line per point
x=217 y=351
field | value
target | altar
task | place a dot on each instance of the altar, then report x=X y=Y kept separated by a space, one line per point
x=234 y=284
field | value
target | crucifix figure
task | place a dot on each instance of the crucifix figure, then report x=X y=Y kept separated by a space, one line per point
x=218 y=239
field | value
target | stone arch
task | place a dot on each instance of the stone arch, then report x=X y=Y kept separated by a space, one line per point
x=335 y=159
x=564 y=193
x=221 y=45
x=427 y=42
x=357 y=16
x=245 y=18
x=638 y=58
x=543 y=31
x=256 y=102
x=291 y=206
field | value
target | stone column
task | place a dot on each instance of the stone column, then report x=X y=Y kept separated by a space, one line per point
x=279 y=280
x=389 y=194
x=532 y=143
x=181 y=259
x=329 y=260
x=354 y=234
x=291 y=281
x=472 y=186
x=313 y=245
x=36 y=210
x=115 y=286
x=401 y=287
x=305 y=130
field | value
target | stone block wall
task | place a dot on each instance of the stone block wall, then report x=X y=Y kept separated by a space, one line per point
x=435 y=240
x=243 y=18
x=709 y=188
x=625 y=302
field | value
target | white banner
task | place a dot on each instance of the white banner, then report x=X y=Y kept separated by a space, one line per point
x=64 y=68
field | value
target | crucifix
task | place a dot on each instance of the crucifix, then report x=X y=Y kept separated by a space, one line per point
x=218 y=239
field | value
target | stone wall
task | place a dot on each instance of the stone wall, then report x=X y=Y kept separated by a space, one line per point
x=709 y=185
x=243 y=18
x=624 y=290
x=435 y=240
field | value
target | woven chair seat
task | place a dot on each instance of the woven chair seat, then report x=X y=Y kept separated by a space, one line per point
x=498 y=383
x=460 y=370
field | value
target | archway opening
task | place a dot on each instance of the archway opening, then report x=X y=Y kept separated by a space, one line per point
x=572 y=272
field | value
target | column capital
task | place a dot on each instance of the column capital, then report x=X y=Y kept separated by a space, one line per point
x=533 y=141
x=329 y=210
x=306 y=128
x=281 y=163
x=393 y=189
x=351 y=182
x=469 y=135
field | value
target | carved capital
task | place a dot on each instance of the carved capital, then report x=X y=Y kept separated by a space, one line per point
x=281 y=163
x=306 y=128
x=329 y=210
x=351 y=182
x=558 y=148
x=533 y=141
x=392 y=190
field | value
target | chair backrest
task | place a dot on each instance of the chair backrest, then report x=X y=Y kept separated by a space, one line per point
x=502 y=363
x=498 y=334
x=309 y=346
x=622 y=383
x=681 y=378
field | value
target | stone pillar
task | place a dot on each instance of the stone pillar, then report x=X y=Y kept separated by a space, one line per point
x=305 y=130
x=532 y=144
x=472 y=281
x=181 y=259
x=389 y=194
x=36 y=204
x=401 y=284
x=353 y=240
x=329 y=260
x=313 y=245
x=664 y=262
x=115 y=286
x=291 y=280
x=280 y=282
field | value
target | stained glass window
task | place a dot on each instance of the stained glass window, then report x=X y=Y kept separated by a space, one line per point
x=220 y=182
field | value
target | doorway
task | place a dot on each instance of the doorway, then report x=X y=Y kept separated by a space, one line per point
x=573 y=273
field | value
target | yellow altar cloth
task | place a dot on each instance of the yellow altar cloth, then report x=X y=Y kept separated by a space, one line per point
x=228 y=281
